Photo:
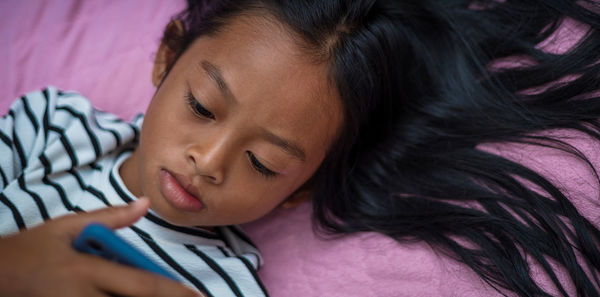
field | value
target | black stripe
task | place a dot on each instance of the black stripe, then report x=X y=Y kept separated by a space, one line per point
x=38 y=201
x=137 y=117
x=224 y=251
x=64 y=93
x=4 y=179
x=46 y=120
x=59 y=189
x=111 y=131
x=214 y=266
x=30 y=114
x=46 y=163
x=135 y=128
x=159 y=221
x=115 y=133
x=254 y=274
x=61 y=192
x=6 y=139
x=66 y=145
x=86 y=126
x=114 y=119
x=170 y=261
x=95 y=192
x=16 y=215
x=241 y=235
x=136 y=133
x=17 y=144
x=45 y=93
x=95 y=166
x=221 y=235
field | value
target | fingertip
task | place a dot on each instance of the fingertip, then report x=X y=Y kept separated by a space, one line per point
x=196 y=293
x=126 y=215
x=141 y=203
x=139 y=206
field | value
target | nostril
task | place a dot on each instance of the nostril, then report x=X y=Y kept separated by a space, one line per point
x=213 y=177
x=191 y=160
x=205 y=165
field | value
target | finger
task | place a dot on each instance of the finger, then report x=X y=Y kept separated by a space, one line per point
x=112 y=217
x=127 y=281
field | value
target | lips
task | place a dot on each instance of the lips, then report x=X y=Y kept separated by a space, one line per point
x=176 y=189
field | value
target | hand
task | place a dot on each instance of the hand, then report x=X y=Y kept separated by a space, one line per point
x=41 y=261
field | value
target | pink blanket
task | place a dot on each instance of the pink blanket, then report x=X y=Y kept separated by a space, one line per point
x=104 y=49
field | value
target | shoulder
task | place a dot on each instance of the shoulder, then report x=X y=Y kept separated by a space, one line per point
x=48 y=98
x=56 y=123
x=39 y=108
x=27 y=128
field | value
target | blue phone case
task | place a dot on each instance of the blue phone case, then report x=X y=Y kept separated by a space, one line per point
x=99 y=240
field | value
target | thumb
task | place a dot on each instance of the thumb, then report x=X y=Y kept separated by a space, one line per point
x=112 y=217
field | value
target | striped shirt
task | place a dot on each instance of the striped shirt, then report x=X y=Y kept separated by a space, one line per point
x=59 y=155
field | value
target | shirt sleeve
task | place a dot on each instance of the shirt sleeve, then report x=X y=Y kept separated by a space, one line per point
x=22 y=133
x=56 y=131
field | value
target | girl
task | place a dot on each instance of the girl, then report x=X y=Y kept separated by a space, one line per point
x=384 y=112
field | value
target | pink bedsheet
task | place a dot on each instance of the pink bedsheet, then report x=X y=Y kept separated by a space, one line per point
x=104 y=49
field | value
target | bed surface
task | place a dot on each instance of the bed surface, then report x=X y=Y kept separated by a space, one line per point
x=104 y=49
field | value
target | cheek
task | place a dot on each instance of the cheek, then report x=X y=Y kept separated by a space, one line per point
x=253 y=194
x=253 y=209
x=160 y=145
x=164 y=123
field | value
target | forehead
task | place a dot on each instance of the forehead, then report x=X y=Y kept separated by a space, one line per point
x=272 y=77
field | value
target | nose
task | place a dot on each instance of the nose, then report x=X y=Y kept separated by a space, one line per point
x=208 y=161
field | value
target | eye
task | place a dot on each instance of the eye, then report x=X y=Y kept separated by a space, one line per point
x=262 y=169
x=197 y=108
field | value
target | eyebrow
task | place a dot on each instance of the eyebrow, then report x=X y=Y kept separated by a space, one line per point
x=289 y=146
x=215 y=74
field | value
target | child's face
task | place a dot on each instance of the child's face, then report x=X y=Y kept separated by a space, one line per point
x=243 y=119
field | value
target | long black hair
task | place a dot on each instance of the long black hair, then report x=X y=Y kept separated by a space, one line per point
x=420 y=95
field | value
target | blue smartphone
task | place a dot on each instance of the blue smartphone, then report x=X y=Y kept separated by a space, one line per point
x=99 y=240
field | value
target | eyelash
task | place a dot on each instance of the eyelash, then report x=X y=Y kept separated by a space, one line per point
x=262 y=169
x=200 y=111
x=197 y=108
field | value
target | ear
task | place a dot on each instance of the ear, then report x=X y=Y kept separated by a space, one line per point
x=165 y=56
x=301 y=195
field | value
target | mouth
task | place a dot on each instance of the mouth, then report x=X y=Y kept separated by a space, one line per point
x=179 y=192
